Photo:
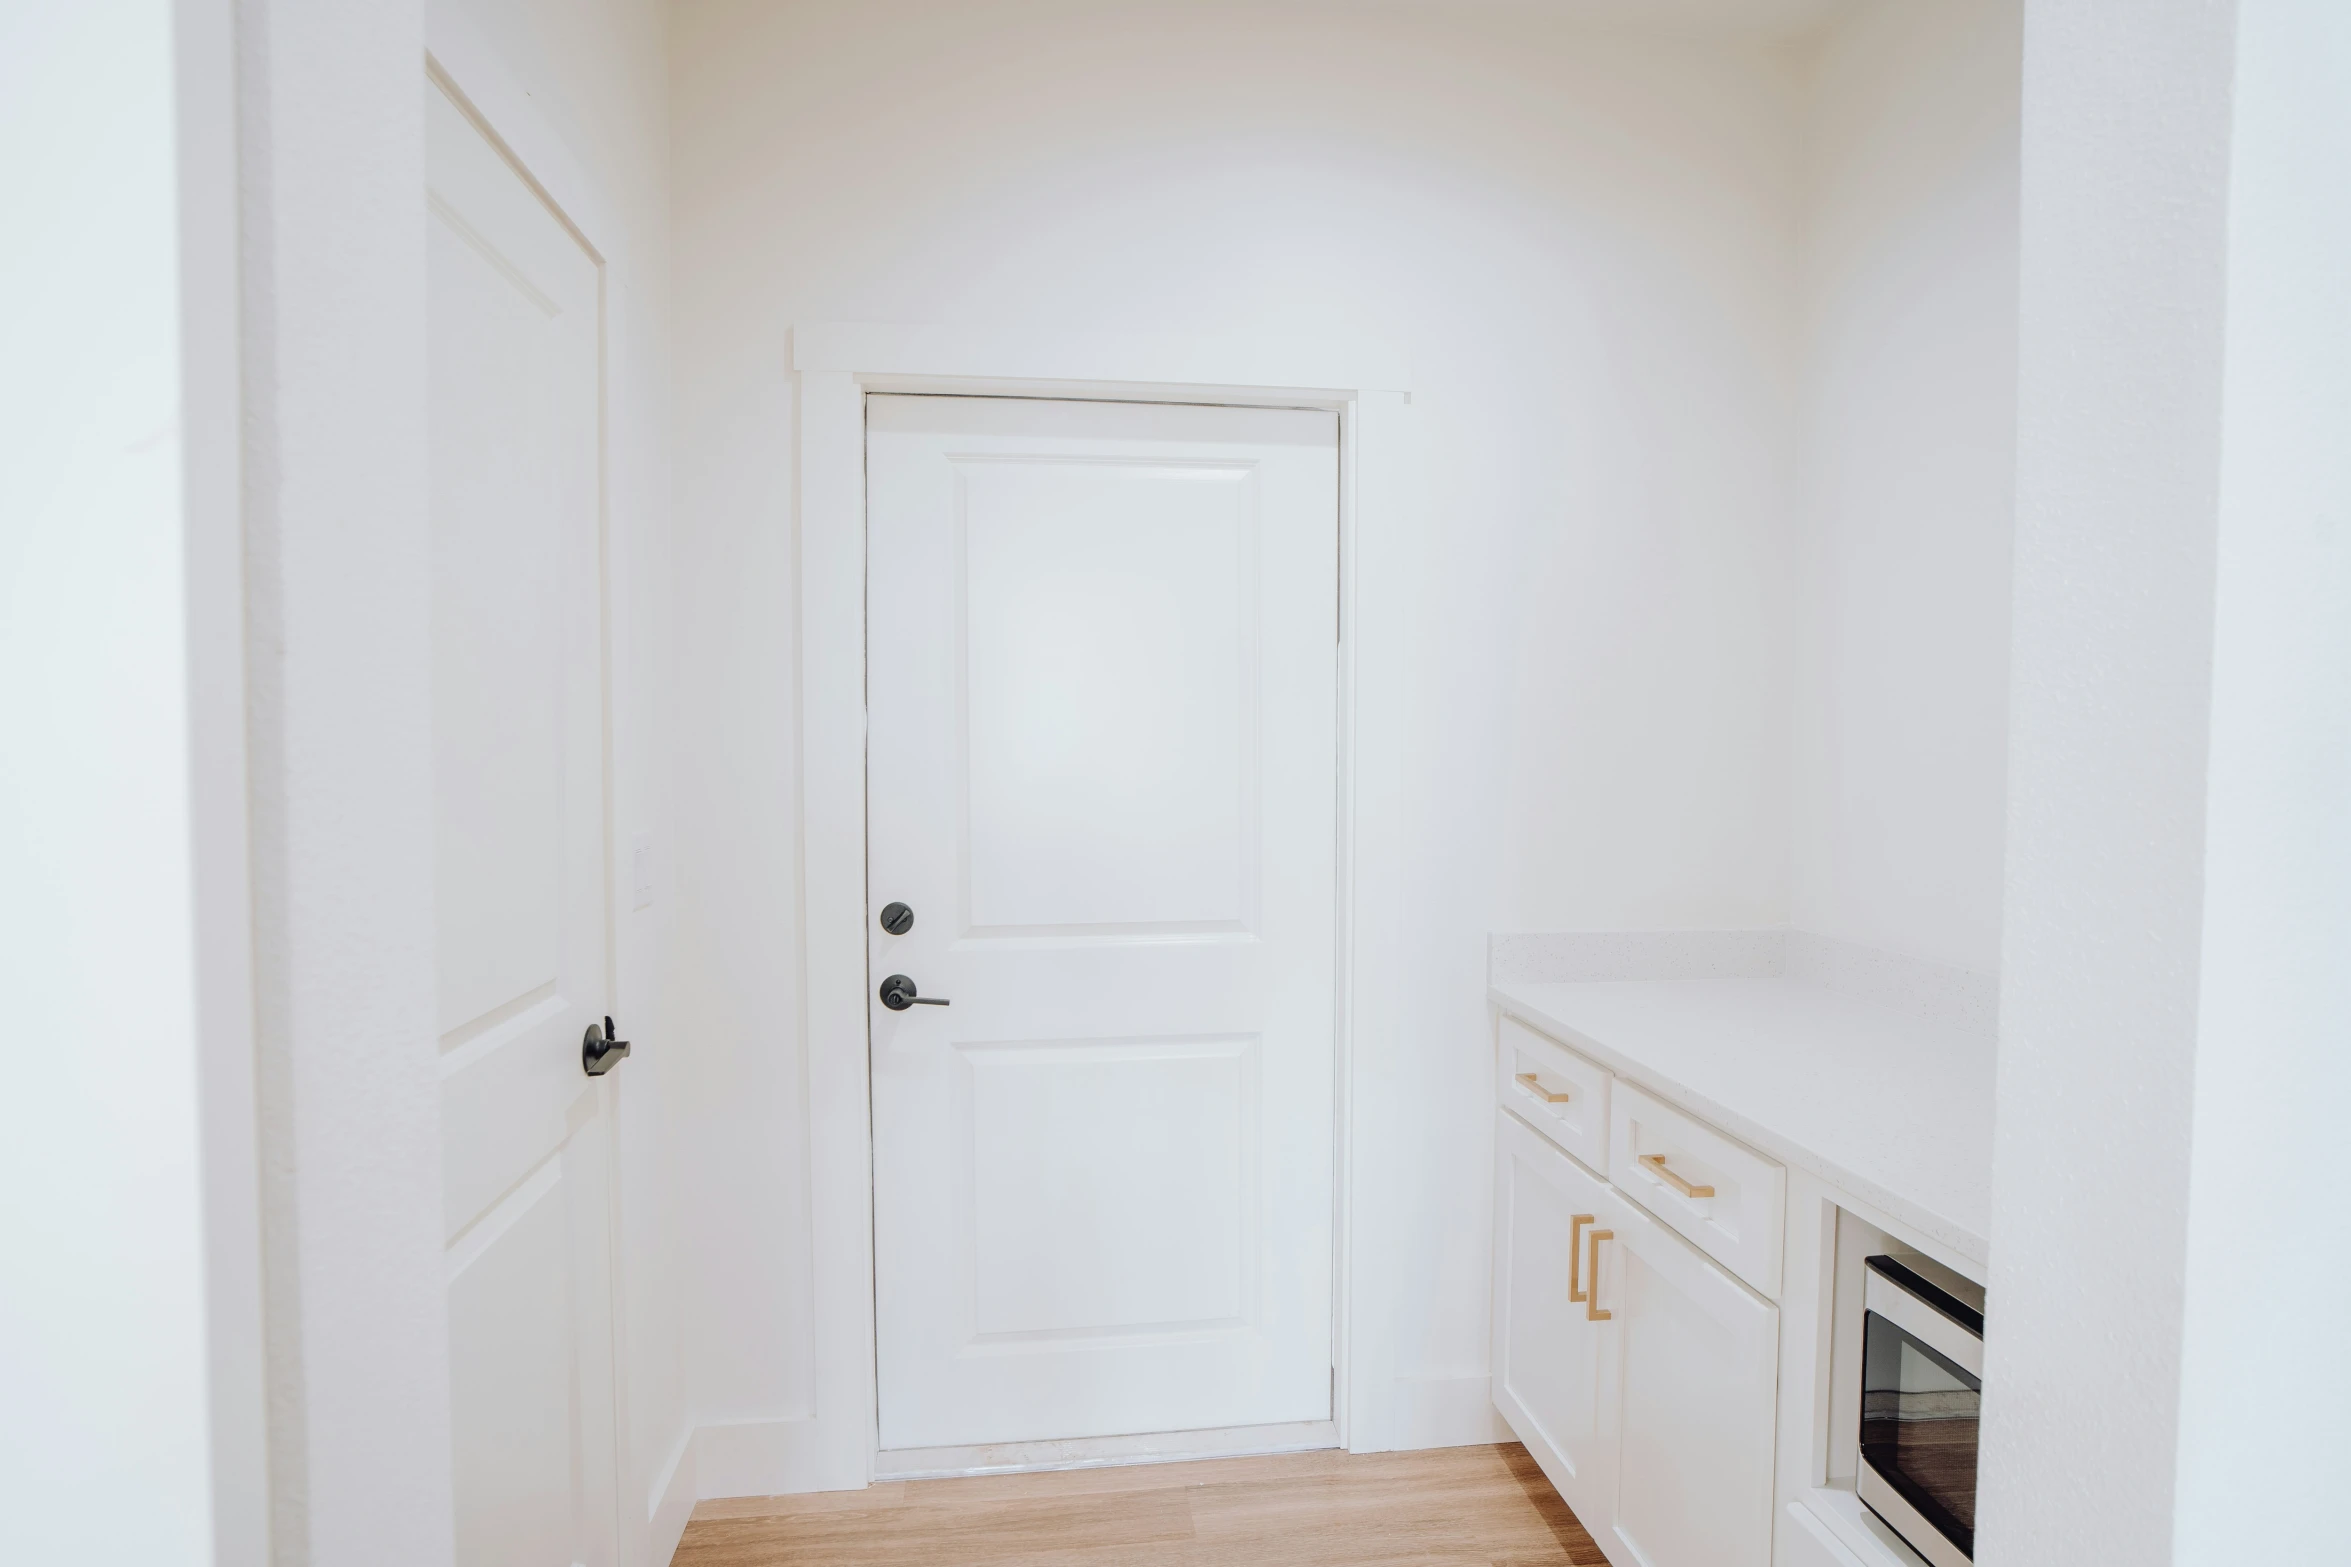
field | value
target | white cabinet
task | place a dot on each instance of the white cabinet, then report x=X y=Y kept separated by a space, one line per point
x=1729 y=1200
x=1555 y=1091
x=1549 y=1346
x=1696 y=1361
x=1704 y=1409
x=1641 y=1373
x=1806 y=1542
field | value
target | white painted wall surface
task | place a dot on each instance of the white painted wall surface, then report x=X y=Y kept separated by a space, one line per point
x=1908 y=470
x=129 y=1322
x=2265 y=1366
x=1582 y=241
x=586 y=91
x=2124 y=254
x=332 y=161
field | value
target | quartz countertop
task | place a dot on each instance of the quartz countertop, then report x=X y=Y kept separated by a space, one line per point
x=1892 y=1109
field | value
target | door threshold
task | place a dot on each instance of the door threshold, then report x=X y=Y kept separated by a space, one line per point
x=1101 y=1452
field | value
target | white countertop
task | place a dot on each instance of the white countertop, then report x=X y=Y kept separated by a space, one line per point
x=1892 y=1109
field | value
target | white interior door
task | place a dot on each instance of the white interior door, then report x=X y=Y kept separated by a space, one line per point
x=1102 y=772
x=1554 y=1354
x=519 y=815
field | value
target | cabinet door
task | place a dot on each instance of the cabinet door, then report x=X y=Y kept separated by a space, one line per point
x=1697 y=1359
x=1550 y=1357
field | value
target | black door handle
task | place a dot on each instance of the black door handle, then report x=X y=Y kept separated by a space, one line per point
x=898 y=994
x=600 y=1052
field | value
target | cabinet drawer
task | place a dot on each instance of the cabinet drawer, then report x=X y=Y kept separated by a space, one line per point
x=1729 y=1200
x=1556 y=1091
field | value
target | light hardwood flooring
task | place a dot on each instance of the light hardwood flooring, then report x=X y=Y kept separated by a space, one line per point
x=1444 y=1507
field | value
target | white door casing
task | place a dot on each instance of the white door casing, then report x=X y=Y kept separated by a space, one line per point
x=1102 y=769
x=519 y=803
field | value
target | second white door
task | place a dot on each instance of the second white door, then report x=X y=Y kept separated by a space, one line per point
x=1102 y=772
x=518 y=776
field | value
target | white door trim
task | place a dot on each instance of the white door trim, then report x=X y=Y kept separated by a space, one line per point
x=834 y=366
x=457 y=52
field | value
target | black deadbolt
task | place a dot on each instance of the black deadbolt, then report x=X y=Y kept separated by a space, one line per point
x=897 y=918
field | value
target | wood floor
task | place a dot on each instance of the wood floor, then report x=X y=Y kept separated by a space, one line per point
x=1445 y=1507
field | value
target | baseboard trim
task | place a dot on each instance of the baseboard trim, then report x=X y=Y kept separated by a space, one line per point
x=1447 y=1412
x=1167 y=1447
x=783 y=1457
x=671 y=1506
x=756 y=1458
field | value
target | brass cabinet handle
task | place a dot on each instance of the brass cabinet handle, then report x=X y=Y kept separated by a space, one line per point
x=1592 y=1311
x=1534 y=1086
x=1575 y=1253
x=1656 y=1162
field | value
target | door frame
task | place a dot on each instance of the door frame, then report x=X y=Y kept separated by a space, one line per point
x=835 y=365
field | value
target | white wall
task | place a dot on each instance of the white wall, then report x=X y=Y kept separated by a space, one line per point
x=2165 y=1355
x=129 y=1291
x=1584 y=244
x=339 y=705
x=1908 y=450
x=2123 y=283
x=2264 y=1364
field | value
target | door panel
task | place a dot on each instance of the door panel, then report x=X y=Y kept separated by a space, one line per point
x=1107 y=678
x=1699 y=1368
x=517 y=637
x=513 y=1349
x=1554 y=1365
x=1166 y=1201
x=1102 y=766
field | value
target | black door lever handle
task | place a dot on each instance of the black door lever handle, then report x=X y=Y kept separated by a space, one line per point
x=600 y=1051
x=898 y=994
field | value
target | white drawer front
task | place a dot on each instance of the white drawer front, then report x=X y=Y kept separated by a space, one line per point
x=1726 y=1198
x=1556 y=1091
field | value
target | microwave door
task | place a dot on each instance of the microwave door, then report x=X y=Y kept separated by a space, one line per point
x=1921 y=1404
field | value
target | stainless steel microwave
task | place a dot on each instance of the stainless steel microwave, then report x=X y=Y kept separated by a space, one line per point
x=1922 y=1394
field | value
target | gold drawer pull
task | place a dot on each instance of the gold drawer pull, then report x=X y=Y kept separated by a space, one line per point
x=1575 y=1253
x=1592 y=1311
x=1656 y=1162
x=1534 y=1086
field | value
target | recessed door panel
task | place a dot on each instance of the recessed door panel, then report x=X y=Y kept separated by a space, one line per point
x=1109 y=682
x=511 y=1349
x=1102 y=664
x=1113 y=1187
